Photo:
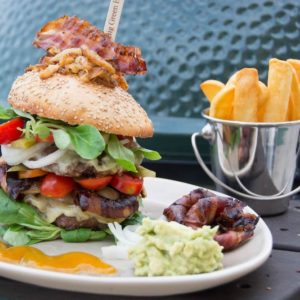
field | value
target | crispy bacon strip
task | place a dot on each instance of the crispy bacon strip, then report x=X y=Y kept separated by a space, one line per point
x=72 y=32
x=201 y=207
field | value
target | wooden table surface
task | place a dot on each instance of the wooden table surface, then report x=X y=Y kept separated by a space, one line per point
x=277 y=279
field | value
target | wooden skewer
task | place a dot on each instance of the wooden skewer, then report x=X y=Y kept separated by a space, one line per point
x=113 y=18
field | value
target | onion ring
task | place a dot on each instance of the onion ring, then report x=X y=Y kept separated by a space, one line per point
x=44 y=161
x=15 y=156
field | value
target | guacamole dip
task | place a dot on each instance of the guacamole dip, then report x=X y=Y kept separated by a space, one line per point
x=169 y=248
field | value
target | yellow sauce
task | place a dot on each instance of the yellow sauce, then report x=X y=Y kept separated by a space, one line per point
x=72 y=262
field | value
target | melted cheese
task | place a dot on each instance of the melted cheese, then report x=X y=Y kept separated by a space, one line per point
x=51 y=209
x=71 y=158
x=71 y=262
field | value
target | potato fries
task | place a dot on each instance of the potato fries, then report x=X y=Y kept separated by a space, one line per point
x=244 y=98
x=294 y=102
x=232 y=78
x=264 y=93
x=295 y=63
x=221 y=105
x=247 y=92
x=279 y=85
x=262 y=100
x=211 y=88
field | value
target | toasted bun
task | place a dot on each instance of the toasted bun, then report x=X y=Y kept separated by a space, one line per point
x=66 y=98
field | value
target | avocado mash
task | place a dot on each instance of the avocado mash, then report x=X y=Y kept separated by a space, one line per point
x=169 y=248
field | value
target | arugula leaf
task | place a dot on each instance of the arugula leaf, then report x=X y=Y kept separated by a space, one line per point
x=77 y=235
x=9 y=211
x=144 y=172
x=44 y=235
x=82 y=235
x=22 y=219
x=23 y=114
x=42 y=131
x=61 y=138
x=87 y=140
x=15 y=235
x=2 y=230
x=6 y=113
x=136 y=218
x=126 y=165
x=52 y=121
x=149 y=154
x=123 y=156
x=98 y=235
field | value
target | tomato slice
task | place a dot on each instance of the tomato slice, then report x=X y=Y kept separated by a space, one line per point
x=55 y=186
x=31 y=173
x=9 y=131
x=49 y=138
x=127 y=184
x=95 y=183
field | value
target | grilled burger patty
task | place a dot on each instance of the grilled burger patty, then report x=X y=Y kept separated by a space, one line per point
x=71 y=223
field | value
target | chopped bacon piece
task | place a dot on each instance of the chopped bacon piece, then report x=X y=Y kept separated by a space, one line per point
x=72 y=32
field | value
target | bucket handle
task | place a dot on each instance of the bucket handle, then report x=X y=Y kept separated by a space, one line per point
x=225 y=186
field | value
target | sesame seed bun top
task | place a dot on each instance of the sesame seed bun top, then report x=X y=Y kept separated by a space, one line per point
x=66 y=98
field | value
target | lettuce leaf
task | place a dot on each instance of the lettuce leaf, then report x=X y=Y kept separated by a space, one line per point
x=122 y=155
x=6 y=113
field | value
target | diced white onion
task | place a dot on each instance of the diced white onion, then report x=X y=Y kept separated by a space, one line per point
x=44 y=161
x=118 y=233
x=14 y=156
x=130 y=234
x=126 y=237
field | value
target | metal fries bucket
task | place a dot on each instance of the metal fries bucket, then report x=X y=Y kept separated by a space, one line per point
x=254 y=161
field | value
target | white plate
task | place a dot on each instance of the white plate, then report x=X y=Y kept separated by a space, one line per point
x=161 y=193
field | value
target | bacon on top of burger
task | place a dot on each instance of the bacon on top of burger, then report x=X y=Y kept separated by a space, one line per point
x=70 y=162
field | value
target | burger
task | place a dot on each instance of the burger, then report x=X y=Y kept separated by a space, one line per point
x=70 y=162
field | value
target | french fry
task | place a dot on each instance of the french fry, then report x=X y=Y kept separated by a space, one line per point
x=264 y=94
x=295 y=63
x=232 y=78
x=279 y=85
x=246 y=96
x=211 y=88
x=262 y=100
x=221 y=105
x=294 y=101
x=262 y=86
